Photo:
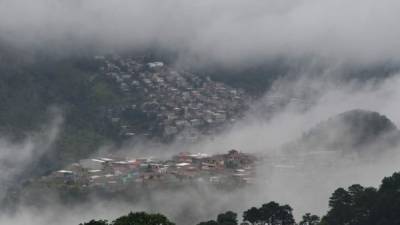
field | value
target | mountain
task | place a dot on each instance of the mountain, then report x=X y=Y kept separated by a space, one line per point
x=108 y=99
x=355 y=131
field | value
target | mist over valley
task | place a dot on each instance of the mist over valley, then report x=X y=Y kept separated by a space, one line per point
x=226 y=112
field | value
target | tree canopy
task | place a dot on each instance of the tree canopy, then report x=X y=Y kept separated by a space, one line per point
x=360 y=205
x=137 y=218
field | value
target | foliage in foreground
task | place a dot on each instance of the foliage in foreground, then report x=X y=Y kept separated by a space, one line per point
x=137 y=218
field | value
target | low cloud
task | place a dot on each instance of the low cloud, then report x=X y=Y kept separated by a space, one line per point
x=16 y=158
x=227 y=32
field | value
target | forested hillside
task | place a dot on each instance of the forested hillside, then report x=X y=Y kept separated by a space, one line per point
x=356 y=131
x=30 y=86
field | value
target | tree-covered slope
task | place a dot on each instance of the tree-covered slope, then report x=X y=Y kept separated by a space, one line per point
x=31 y=85
x=354 y=131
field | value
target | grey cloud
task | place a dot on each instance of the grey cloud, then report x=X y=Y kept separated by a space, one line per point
x=361 y=31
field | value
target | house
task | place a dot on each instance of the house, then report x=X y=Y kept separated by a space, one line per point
x=120 y=167
x=196 y=122
x=95 y=172
x=64 y=173
x=219 y=117
x=92 y=164
x=183 y=157
x=212 y=163
x=113 y=173
x=233 y=153
x=155 y=64
x=170 y=130
x=64 y=176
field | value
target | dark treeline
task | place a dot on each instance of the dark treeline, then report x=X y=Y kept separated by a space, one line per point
x=138 y=218
x=356 y=205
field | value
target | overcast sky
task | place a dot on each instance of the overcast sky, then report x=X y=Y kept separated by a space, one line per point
x=226 y=31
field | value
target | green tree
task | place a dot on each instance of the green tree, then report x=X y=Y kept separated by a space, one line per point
x=284 y=215
x=356 y=206
x=142 y=218
x=268 y=212
x=96 y=222
x=341 y=208
x=210 y=222
x=390 y=184
x=271 y=213
x=309 y=219
x=363 y=201
x=387 y=207
x=227 y=218
x=252 y=215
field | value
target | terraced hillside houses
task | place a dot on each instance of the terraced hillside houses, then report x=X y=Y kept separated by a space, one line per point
x=174 y=103
x=116 y=173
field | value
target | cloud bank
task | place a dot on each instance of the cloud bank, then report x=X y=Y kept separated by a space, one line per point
x=223 y=31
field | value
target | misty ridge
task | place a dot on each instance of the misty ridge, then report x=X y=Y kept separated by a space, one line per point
x=309 y=88
x=354 y=131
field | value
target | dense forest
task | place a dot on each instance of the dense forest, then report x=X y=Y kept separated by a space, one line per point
x=356 y=205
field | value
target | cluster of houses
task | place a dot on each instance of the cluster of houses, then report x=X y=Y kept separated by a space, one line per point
x=175 y=103
x=115 y=173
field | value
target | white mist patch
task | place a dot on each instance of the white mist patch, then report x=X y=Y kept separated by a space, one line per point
x=309 y=189
x=15 y=158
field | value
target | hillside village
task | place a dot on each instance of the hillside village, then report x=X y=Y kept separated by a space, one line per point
x=116 y=173
x=174 y=104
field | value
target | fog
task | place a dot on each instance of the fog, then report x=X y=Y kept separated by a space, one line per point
x=230 y=33
x=224 y=32
x=17 y=157
x=305 y=189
